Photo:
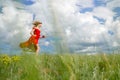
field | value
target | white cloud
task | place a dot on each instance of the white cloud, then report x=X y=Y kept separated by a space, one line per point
x=85 y=3
x=14 y=25
x=113 y=3
x=103 y=12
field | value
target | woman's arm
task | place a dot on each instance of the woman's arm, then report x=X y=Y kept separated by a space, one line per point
x=32 y=31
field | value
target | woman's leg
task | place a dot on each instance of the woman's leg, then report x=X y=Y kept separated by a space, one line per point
x=37 y=49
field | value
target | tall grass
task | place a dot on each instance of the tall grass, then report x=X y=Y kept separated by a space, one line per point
x=60 y=67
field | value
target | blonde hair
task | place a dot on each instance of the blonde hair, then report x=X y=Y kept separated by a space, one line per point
x=36 y=23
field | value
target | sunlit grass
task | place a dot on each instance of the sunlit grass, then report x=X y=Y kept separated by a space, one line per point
x=60 y=67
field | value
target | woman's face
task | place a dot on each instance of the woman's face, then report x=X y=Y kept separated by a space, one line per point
x=39 y=25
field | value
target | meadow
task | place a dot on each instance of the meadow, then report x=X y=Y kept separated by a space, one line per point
x=60 y=67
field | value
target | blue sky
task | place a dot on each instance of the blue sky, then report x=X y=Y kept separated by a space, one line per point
x=85 y=26
x=26 y=2
x=99 y=2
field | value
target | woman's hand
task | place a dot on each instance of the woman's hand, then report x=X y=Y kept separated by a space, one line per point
x=43 y=36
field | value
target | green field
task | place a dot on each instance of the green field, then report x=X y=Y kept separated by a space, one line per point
x=60 y=67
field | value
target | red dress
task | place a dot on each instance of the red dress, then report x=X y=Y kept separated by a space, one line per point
x=33 y=40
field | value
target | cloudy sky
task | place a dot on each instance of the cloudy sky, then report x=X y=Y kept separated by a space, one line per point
x=84 y=26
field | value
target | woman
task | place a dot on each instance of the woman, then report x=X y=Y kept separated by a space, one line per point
x=35 y=35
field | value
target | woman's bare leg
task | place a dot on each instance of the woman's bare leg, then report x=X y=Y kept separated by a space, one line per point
x=37 y=49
